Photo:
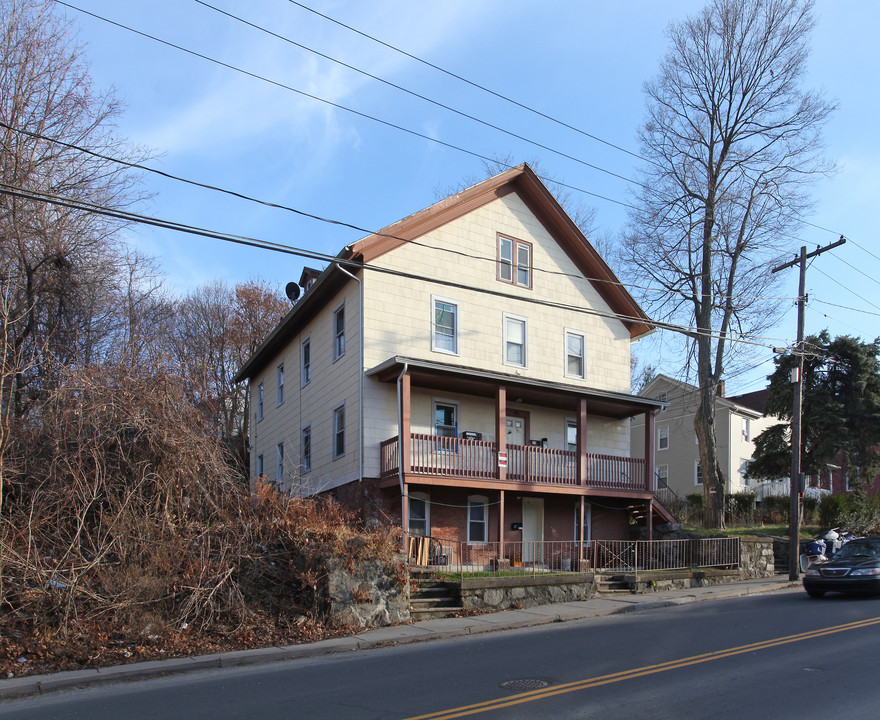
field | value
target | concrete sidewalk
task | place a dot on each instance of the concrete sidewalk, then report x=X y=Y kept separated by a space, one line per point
x=395 y=635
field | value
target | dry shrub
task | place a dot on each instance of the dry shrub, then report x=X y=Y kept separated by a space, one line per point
x=126 y=510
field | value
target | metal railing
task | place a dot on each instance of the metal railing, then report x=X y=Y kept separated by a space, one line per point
x=560 y=557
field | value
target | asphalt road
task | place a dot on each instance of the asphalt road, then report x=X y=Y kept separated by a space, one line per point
x=778 y=655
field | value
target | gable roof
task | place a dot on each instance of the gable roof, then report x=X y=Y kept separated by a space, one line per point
x=540 y=201
x=520 y=180
x=749 y=404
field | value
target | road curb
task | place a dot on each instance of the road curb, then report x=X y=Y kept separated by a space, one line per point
x=393 y=635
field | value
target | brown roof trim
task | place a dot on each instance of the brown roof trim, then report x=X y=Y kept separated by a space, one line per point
x=523 y=181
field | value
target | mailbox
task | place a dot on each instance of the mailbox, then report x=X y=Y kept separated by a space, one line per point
x=471 y=435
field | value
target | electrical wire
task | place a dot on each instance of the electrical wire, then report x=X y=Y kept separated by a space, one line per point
x=127 y=216
x=471 y=83
x=340 y=223
x=412 y=93
x=338 y=106
x=849 y=290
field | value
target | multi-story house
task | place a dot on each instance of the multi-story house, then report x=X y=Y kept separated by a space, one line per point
x=738 y=420
x=465 y=372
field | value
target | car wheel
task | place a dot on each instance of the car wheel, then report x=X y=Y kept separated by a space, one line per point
x=813 y=593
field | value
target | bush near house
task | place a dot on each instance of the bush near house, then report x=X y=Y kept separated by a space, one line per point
x=126 y=535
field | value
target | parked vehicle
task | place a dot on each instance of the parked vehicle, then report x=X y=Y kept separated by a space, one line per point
x=855 y=568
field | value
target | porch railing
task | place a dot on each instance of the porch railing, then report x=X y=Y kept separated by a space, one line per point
x=457 y=457
x=561 y=557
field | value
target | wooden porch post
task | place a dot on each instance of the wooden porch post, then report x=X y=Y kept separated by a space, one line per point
x=581 y=535
x=649 y=450
x=406 y=424
x=501 y=428
x=404 y=517
x=582 y=442
x=500 y=524
x=649 y=468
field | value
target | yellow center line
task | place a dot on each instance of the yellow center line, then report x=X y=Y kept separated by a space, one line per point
x=639 y=672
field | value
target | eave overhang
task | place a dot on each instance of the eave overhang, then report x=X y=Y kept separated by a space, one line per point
x=528 y=391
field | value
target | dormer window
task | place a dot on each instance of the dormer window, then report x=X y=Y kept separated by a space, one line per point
x=514 y=262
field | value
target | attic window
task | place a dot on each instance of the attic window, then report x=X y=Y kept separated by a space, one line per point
x=514 y=262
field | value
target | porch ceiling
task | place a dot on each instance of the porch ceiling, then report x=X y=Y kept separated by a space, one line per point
x=480 y=383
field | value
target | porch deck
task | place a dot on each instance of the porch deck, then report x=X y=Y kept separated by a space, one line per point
x=435 y=456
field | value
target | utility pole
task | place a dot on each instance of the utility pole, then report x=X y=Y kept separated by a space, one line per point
x=796 y=484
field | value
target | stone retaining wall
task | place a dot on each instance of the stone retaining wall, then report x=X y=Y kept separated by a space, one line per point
x=522 y=592
x=367 y=594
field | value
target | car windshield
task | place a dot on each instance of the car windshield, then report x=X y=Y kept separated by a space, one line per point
x=859 y=548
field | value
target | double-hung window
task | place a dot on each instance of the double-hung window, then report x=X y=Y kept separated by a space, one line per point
x=571 y=435
x=515 y=336
x=698 y=473
x=279 y=463
x=574 y=354
x=338 y=333
x=306 y=451
x=663 y=437
x=306 y=362
x=279 y=373
x=419 y=515
x=514 y=262
x=662 y=476
x=478 y=518
x=339 y=431
x=445 y=420
x=259 y=402
x=444 y=334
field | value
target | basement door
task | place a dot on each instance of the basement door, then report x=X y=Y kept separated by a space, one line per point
x=533 y=529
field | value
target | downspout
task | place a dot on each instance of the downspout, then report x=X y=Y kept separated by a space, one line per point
x=360 y=374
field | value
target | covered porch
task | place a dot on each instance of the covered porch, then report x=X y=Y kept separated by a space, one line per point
x=489 y=457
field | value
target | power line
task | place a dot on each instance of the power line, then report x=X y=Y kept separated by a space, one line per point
x=340 y=223
x=128 y=216
x=338 y=106
x=460 y=113
x=471 y=83
x=848 y=289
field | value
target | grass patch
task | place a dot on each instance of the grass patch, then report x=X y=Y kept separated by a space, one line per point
x=776 y=530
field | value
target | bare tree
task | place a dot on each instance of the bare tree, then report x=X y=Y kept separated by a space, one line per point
x=53 y=261
x=217 y=328
x=732 y=141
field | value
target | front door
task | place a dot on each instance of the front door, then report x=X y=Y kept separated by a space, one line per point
x=516 y=439
x=533 y=529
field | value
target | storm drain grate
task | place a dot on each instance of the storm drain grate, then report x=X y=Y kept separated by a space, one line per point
x=525 y=684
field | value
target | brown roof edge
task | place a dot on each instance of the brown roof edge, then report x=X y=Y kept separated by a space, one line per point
x=522 y=180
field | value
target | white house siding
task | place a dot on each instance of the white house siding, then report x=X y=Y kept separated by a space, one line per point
x=331 y=383
x=398 y=310
x=399 y=320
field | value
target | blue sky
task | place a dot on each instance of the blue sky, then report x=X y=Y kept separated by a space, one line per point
x=583 y=63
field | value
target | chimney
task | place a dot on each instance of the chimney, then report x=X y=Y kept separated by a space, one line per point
x=720 y=389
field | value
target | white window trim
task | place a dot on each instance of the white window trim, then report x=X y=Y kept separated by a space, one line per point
x=746 y=429
x=425 y=498
x=336 y=429
x=279 y=463
x=583 y=337
x=658 y=476
x=664 y=398
x=478 y=500
x=305 y=376
x=525 y=323
x=697 y=481
x=569 y=423
x=451 y=403
x=337 y=354
x=305 y=460
x=660 y=430
x=456 y=332
x=279 y=384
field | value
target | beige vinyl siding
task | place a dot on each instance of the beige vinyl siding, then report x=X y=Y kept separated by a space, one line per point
x=399 y=310
x=331 y=383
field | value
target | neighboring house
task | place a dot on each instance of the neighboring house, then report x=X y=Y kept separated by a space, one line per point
x=492 y=339
x=738 y=420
